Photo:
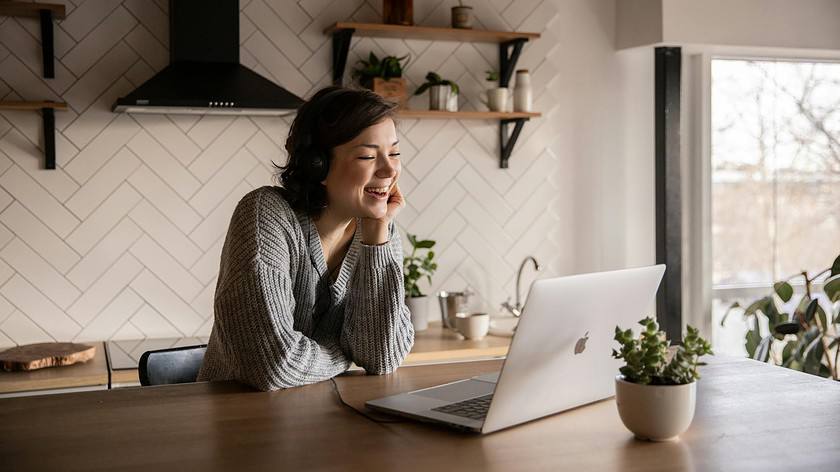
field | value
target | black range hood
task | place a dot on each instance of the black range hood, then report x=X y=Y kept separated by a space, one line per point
x=204 y=75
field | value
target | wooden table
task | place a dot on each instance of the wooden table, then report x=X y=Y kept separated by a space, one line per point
x=90 y=375
x=434 y=345
x=750 y=416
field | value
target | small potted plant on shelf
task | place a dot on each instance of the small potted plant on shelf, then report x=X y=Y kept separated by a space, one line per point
x=657 y=387
x=443 y=93
x=384 y=76
x=496 y=97
x=415 y=267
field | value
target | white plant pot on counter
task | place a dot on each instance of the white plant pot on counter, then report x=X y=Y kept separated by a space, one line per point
x=419 y=308
x=655 y=412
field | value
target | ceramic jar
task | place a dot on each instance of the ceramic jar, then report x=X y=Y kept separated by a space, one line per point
x=522 y=95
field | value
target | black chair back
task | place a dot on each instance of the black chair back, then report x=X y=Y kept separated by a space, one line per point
x=171 y=366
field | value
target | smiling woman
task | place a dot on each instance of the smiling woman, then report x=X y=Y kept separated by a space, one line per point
x=311 y=272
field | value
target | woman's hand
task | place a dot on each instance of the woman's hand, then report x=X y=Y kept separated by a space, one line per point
x=375 y=230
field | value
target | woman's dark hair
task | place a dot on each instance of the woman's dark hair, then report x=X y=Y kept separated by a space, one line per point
x=332 y=117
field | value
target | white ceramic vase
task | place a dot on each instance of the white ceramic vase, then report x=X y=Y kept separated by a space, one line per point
x=419 y=308
x=655 y=412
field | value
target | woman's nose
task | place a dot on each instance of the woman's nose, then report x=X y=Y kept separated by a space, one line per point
x=387 y=168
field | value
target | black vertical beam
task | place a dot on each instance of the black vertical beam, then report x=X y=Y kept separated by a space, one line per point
x=340 y=49
x=47 y=51
x=668 y=195
x=49 y=137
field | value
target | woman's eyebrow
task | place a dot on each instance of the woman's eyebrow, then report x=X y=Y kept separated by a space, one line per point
x=374 y=146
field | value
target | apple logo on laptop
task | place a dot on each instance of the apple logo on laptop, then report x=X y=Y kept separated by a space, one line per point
x=580 y=345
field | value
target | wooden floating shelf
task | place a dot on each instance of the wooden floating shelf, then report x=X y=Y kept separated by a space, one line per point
x=466 y=115
x=33 y=10
x=48 y=115
x=510 y=46
x=47 y=12
x=9 y=105
x=382 y=30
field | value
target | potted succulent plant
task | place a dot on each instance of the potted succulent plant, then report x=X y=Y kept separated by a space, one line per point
x=415 y=267
x=443 y=93
x=384 y=76
x=657 y=387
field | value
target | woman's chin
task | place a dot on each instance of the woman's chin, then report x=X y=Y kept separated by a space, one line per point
x=374 y=211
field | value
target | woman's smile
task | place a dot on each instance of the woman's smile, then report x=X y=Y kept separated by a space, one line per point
x=380 y=193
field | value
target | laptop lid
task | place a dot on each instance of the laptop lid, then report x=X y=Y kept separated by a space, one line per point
x=560 y=356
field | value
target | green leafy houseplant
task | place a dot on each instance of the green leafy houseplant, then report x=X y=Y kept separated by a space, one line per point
x=492 y=76
x=433 y=78
x=809 y=339
x=388 y=67
x=646 y=358
x=417 y=266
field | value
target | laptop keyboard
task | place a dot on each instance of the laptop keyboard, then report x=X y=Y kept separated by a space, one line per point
x=474 y=408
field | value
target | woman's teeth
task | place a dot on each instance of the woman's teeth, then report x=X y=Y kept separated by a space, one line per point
x=378 y=192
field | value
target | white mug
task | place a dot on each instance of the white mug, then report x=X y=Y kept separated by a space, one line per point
x=495 y=99
x=473 y=325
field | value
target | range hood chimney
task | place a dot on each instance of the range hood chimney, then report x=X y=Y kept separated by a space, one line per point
x=204 y=75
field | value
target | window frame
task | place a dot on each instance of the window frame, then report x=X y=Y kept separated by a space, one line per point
x=697 y=181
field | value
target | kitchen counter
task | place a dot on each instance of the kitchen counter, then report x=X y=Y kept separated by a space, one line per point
x=90 y=375
x=432 y=346
x=115 y=363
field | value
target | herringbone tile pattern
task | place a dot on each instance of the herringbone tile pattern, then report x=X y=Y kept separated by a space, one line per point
x=123 y=239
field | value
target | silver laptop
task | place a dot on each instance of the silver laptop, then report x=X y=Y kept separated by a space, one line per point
x=559 y=358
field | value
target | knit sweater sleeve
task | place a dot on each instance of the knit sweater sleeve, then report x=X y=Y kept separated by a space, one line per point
x=377 y=331
x=256 y=313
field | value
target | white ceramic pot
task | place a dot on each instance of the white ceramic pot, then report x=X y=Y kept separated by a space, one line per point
x=655 y=412
x=419 y=308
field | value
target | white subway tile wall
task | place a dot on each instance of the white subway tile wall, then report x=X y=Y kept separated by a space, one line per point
x=123 y=239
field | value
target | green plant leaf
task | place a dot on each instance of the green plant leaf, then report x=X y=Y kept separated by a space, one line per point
x=422 y=88
x=753 y=339
x=811 y=310
x=832 y=288
x=835 y=267
x=783 y=290
x=788 y=327
x=757 y=305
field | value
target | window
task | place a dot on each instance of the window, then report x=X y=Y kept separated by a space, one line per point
x=775 y=190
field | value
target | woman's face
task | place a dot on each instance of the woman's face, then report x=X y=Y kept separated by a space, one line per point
x=363 y=172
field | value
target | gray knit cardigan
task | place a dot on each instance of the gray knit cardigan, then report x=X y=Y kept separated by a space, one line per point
x=279 y=320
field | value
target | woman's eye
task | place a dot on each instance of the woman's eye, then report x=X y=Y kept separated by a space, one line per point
x=394 y=154
x=367 y=158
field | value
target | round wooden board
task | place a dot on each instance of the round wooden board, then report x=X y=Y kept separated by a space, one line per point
x=40 y=355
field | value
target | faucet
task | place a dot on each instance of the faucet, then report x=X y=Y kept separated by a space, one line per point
x=516 y=310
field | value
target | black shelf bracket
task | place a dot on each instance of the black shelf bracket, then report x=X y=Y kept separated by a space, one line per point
x=508 y=58
x=508 y=141
x=48 y=114
x=340 y=49
x=47 y=40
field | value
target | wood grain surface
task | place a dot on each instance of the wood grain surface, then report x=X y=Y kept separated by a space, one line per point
x=87 y=374
x=750 y=416
x=42 y=355
x=433 y=33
